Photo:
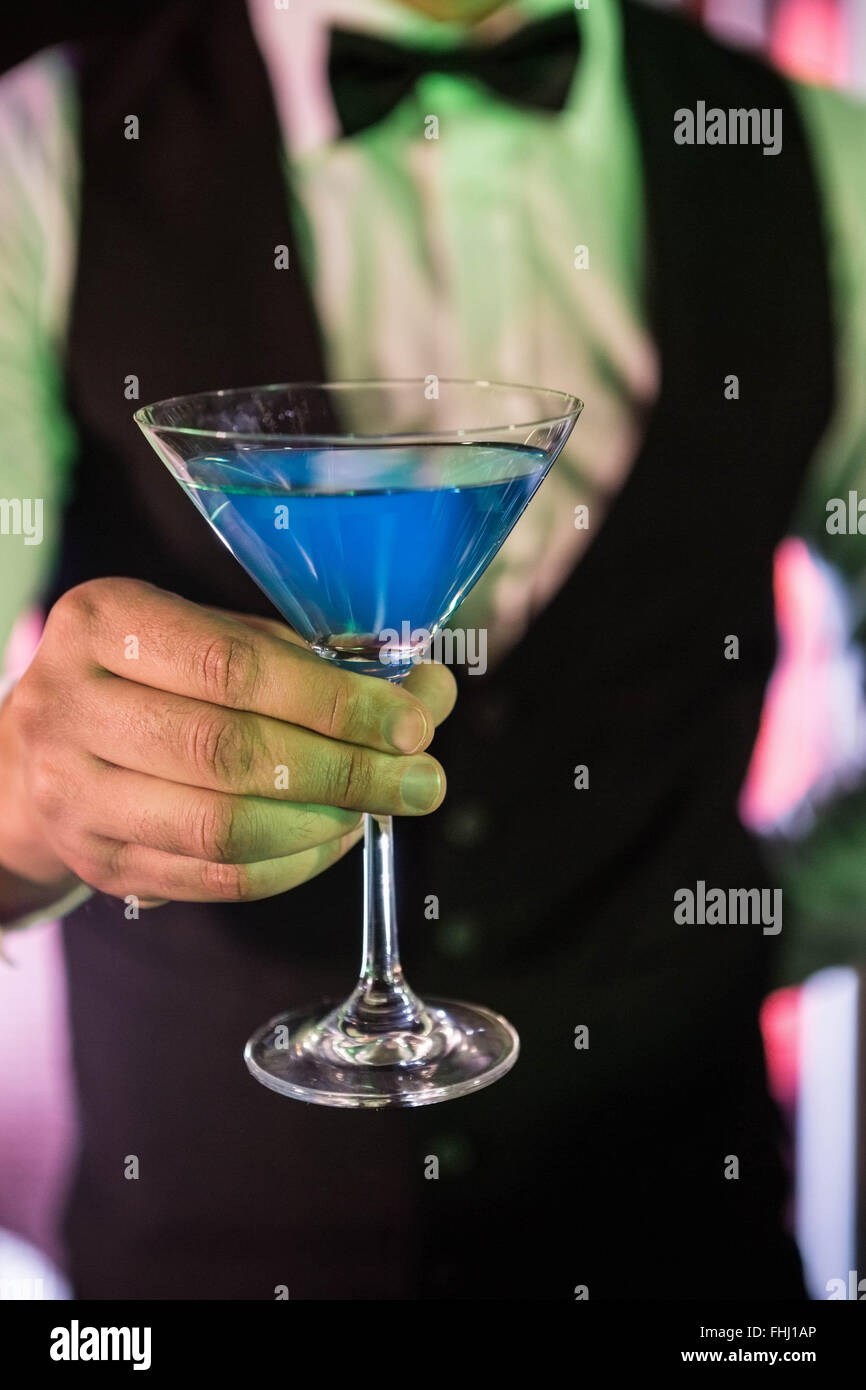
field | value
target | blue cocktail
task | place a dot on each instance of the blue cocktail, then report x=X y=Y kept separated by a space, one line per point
x=355 y=545
x=366 y=511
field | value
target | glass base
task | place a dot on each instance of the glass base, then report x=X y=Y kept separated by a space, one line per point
x=365 y=658
x=452 y=1050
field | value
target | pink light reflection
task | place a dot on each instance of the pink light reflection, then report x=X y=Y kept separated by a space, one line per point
x=808 y=40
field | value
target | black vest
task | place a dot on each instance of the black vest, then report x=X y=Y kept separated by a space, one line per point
x=556 y=905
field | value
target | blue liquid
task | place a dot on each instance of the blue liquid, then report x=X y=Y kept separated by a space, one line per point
x=361 y=549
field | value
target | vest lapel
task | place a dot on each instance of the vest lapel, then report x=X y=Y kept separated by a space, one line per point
x=177 y=283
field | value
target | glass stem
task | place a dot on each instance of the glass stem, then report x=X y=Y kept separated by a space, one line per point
x=381 y=1001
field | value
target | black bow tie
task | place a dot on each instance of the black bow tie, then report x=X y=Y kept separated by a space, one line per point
x=534 y=67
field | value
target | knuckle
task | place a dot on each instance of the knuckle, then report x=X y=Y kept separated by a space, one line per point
x=81 y=604
x=306 y=825
x=229 y=881
x=352 y=777
x=220 y=747
x=95 y=865
x=30 y=707
x=339 y=701
x=47 y=788
x=228 y=665
x=216 y=834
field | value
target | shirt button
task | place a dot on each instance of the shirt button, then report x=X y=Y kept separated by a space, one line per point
x=465 y=826
x=458 y=936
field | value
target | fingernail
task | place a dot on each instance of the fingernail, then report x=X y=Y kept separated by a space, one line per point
x=421 y=786
x=405 y=729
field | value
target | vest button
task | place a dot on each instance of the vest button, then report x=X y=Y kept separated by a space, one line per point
x=458 y=936
x=465 y=826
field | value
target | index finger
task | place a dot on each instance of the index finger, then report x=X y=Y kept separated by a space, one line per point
x=154 y=638
x=430 y=681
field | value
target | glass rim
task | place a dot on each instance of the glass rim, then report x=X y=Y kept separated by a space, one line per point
x=573 y=407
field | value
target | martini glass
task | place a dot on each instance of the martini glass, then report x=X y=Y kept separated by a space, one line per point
x=366 y=511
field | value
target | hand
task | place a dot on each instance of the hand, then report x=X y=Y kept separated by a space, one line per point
x=157 y=748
